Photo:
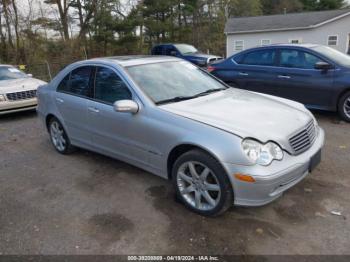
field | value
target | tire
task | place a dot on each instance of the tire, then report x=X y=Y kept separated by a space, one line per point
x=344 y=107
x=59 y=138
x=201 y=183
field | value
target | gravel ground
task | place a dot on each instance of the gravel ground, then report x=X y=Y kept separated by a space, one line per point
x=86 y=203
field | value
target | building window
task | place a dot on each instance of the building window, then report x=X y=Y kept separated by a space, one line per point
x=295 y=41
x=332 y=40
x=265 y=42
x=239 y=45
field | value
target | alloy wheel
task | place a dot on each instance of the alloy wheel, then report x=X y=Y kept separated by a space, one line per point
x=198 y=185
x=346 y=107
x=57 y=136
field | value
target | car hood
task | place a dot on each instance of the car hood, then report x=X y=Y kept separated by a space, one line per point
x=246 y=114
x=21 y=84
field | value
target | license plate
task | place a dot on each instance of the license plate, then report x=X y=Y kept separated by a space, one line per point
x=315 y=160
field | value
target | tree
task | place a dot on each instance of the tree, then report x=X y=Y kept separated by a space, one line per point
x=63 y=8
x=281 y=6
x=322 y=4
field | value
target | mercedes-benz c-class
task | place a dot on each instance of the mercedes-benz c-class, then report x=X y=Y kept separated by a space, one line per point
x=219 y=145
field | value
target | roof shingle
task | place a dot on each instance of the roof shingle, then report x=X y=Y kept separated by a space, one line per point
x=281 y=22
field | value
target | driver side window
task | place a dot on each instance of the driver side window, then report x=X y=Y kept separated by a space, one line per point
x=298 y=59
x=109 y=87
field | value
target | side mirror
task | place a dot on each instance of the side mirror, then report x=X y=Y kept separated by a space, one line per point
x=323 y=66
x=173 y=53
x=126 y=106
x=30 y=75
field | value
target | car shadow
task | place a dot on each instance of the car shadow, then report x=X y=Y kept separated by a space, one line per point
x=18 y=115
x=327 y=116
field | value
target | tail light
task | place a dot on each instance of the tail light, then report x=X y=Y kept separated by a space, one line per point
x=211 y=69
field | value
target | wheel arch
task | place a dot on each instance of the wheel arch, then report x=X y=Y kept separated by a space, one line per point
x=48 y=119
x=341 y=94
x=181 y=149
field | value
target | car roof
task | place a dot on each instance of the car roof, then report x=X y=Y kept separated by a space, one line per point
x=300 y=46
x=170 y=44
x=134 y=60
x=295 y=45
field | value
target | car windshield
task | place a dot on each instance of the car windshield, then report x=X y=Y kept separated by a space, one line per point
x=9 y=72
x=338 y=57
x=186 y=49
x=173 y=81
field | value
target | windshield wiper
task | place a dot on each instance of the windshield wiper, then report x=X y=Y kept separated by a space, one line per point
x=210 y=91
x=174 y=99
x=183 y=98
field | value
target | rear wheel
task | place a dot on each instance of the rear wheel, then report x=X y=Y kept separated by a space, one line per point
x=202 y=184
x=59 y=137
x=344 y=107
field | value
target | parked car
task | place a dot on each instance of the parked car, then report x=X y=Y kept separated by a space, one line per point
x=219 y=145
x=185 y=51
x=315 y=75
x=17 y=90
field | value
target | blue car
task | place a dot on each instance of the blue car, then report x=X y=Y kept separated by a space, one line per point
x=185 y=51
x=315 y=75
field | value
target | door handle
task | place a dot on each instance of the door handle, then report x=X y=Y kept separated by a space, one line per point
x=93 y=110
x=284 y=77
x=243 y=74
x=59 y=100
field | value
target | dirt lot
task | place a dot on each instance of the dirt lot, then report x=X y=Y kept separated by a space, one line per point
x=86 y=203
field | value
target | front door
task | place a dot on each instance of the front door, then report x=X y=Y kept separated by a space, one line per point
x=298 y=79
x=114 y=132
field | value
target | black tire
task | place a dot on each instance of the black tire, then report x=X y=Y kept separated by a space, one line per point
x=343 y=104
x=224 y=198
x=67 y=147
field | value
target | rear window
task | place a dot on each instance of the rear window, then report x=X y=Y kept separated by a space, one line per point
x=260 y=57
x=77 y=82
x=157 y=50
x=238 y=58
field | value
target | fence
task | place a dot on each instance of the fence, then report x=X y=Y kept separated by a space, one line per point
x=44 y=71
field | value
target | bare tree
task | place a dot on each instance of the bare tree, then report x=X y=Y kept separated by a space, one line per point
x=63 y=8
x=14 y=6
x=5 y=6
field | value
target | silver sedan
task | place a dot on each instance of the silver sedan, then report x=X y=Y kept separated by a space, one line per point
x=219 y=145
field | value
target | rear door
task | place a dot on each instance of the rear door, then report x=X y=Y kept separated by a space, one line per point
x=298 y=79
x=255 y=71
x=71 y=98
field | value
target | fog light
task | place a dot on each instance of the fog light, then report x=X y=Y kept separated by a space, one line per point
x=245 y=178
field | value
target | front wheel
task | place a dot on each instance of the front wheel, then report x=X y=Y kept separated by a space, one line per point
x=202 y=184
x=344 y=107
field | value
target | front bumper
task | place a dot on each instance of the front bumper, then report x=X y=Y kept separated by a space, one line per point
x=272 y=180
x=17 y=106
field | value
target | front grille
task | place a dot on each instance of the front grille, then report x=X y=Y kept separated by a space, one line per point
x=211 y=60
x=21 y=95
x=304 y=139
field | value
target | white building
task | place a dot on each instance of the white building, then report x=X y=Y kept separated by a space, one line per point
x=330 y=28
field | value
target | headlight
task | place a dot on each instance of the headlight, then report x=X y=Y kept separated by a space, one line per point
x=2 y=98
x=261 y=154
